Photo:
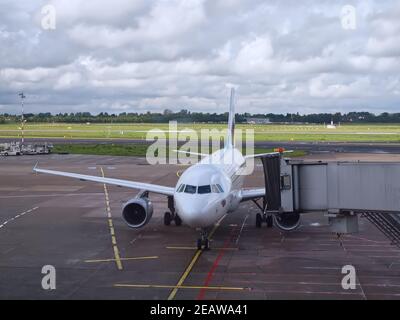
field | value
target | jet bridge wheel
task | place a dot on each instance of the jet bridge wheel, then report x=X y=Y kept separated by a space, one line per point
x=264 y=218
x=258 y=220
x=270 y=221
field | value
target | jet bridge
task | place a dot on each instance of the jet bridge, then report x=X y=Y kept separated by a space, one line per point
x=339 y=189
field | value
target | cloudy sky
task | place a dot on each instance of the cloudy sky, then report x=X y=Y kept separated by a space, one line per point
x=139 y=55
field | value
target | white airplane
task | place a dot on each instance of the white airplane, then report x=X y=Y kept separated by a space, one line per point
x=205 y=192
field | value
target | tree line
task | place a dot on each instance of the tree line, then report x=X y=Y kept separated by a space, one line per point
x=199 y=117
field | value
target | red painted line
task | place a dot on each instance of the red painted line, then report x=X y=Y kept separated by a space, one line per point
x=215 y=265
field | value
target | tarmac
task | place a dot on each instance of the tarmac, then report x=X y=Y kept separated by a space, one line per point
x=77 y=227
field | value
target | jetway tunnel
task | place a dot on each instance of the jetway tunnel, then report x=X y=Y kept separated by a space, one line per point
x=342 y=190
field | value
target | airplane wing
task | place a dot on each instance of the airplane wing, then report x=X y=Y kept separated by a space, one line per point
x=168 y=191
x=250 y=194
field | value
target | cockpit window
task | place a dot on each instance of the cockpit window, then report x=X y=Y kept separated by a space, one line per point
x=204 y=189
x=181 y=187
x=214 y=188
x=220 y=188
x=190 y=189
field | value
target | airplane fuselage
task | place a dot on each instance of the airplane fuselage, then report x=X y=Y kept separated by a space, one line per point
x=210 y=189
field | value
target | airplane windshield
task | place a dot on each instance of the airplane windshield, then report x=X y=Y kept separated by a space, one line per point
x=204 y=189
x=190 y=189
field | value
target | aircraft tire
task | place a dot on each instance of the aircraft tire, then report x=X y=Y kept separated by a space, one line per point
x=258 y=220
x=178 y=220
x=167 y=218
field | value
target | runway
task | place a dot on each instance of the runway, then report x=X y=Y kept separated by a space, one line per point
x=317 y=146
x=77 y=227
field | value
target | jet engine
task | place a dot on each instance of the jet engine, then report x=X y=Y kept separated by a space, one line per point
x=137 y=212
x=287 y=221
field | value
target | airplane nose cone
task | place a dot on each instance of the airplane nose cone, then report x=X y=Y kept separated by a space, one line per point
x=194 y=217
x=193 y=212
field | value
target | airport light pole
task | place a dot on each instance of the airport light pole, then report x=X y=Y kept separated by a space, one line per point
x=22 y=116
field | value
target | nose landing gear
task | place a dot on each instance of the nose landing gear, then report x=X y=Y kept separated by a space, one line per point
x=203 y=243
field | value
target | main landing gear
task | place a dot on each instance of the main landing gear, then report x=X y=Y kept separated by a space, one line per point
x=203 y=242
x=264 y=218
x=171 y=215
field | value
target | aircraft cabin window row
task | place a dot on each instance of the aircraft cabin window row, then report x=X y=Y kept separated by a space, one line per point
x=187 y=188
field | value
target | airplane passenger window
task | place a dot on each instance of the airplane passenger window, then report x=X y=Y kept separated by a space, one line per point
x=204 y=189
x=220 y=188
x=190 y=189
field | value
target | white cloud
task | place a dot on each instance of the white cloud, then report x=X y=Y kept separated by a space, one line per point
x=127 y=55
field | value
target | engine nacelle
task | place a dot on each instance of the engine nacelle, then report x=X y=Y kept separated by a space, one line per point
x=137 y=212
x=287 y=221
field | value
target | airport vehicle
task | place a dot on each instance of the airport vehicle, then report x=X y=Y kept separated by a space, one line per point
x=205 y=192
x=17 y=149
x=12 y=149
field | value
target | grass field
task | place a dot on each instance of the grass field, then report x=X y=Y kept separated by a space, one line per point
x=138 y=150
x=271 y=132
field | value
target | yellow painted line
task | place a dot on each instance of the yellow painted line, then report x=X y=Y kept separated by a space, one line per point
x=122 y=259
x=178 y=287
x=117 y=258
x=191 y=264
x=195 y=248
x=111 y=226
x=184 y=276
x=178 y=173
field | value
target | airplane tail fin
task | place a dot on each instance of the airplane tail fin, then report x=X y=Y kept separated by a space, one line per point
x=231 y=122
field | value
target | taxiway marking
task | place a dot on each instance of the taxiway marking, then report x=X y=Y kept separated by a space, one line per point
x=122 y=259
x=117 y=256
x=17 y=216
x=191 y=264
x=194 y=248
x=214 y=266
x=241 y=229
x=178 y=287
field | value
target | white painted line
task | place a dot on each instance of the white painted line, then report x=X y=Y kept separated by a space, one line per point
x=53 y=195
x=241 y=229
x=17 y=216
